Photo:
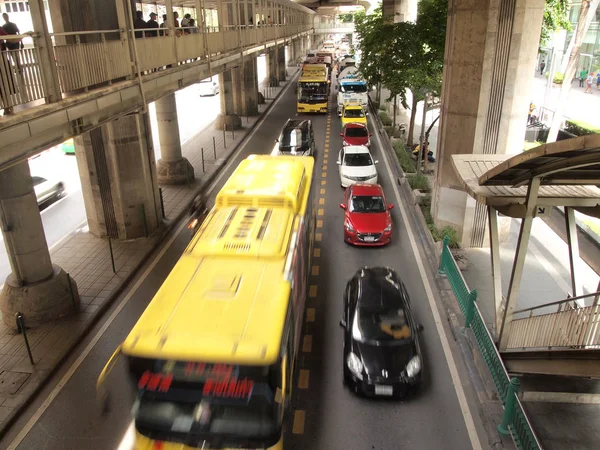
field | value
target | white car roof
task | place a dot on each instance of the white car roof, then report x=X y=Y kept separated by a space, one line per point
x=356 y=149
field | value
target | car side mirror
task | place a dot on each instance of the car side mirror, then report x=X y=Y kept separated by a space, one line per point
x=339 y=163
x=366 y=114
x=343 y=323
x=342 y=205
x=391 y=206
x=370 y=134
x=342 y=134
x=276 y=140
x=420 y=327
x=376 y=161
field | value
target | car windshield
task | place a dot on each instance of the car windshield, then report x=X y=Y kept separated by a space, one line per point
x=356 y=132
x=353 y=113
x=291 y=138
x=358 y=159
x=367 y=204
x=37 y=180
x=312 y=91
x=378 y=326
x=356 y=88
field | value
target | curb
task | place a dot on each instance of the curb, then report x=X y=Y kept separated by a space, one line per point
x=100 y=312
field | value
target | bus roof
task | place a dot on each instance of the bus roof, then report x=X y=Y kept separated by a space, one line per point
x=312 y=78
x=264 y=180
x=219 y=310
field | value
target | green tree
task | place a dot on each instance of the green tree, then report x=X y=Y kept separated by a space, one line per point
x=346 y=17
x=556 y=17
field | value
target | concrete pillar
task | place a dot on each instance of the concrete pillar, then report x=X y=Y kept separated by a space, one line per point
x=118 y=178
x=172 y=167
x=228 y=119
x=39 y=290
x=272 y=69
x=247 y=101
x=281 y=65
x=399 y=10
x=491 y=49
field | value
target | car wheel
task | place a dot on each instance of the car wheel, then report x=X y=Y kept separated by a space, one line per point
x=60 y=192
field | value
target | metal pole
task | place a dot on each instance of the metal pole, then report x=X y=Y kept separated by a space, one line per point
x=224 y=137
x=203 y=169
x=233 y=133
x=422 y=138
x=144 y=222
x=112 y=256
x=509 y=406
x=495 y=261
x=214 y=148
x=21 y=329
x=573 y=247
x=162 y=202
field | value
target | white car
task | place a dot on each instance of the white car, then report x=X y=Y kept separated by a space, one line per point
x=356 y=166
x=208 y=87
x=47 y=189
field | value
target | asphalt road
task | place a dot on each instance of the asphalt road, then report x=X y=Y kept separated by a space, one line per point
x=326 y=415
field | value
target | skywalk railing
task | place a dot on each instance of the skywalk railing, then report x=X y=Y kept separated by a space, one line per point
x=570 y=327
x=515 y=421
x=87 y=60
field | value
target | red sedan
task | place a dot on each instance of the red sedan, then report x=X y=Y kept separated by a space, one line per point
x=367 y=220
x=356 y=134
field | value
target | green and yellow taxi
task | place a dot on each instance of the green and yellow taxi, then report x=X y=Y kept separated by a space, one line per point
x=353 y=113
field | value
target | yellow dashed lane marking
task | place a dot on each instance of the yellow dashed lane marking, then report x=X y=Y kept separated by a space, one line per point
x=312 y=292
x=322 y=191
x=323 y=182
x=321 y=201
x=303 y=379
x=318 y=237
x=324 y=174
x=315 y=271
x=307 y=344
x=310 y=314
x=317 y=253
x=319 y=224
x=325 y=160
x=321 y=212
x=299 y=417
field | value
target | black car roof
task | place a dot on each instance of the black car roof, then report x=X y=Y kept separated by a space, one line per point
x=379 y=287
x=296 y=123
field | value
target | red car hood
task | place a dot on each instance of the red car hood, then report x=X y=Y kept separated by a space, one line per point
x=356 y=140
x=369 y=222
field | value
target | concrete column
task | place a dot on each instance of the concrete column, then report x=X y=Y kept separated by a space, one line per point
x=36 y=288
x=172 y=167
x=247 y=102
x=399 y=10
x=228 y=119
x=272 y=69
x=281 y=65
x=491 y=49
x=118 y=178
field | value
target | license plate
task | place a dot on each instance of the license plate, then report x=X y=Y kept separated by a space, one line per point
x=369 y=239
x=383 y=390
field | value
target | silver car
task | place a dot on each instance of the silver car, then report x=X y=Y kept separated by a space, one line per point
x=47 y=190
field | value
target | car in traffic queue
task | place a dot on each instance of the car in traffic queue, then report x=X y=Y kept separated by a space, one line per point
x=208 y=87
x=356 y=165
x=297 y=138
x=356 y=134
x=382 y=353
x=353 y=113
x=367 y=218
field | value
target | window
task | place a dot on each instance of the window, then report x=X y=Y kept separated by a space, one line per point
x=8 y=7
x=367 y=204
x=21 y=7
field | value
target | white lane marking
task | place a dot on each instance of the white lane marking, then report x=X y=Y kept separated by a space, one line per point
x=460 y=393
x=88 y=349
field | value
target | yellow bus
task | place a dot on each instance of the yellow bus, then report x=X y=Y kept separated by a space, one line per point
x=313 y=89
x=213 y=355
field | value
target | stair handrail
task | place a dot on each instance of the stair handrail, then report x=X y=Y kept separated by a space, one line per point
x=559 y=302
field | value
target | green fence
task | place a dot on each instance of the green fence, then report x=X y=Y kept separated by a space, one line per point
x=514 y=420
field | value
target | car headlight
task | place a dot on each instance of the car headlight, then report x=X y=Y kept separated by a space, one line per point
x=348 y=227
x=355 y=365
x=413 y=367
x=388 y=228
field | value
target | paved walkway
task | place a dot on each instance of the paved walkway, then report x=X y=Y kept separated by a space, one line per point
x=87 y=259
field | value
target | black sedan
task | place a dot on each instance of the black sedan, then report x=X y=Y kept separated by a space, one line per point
x=382 y=357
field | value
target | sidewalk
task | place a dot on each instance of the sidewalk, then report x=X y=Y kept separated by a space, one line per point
x=87 y=259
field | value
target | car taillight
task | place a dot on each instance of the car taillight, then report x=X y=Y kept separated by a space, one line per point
x=193 y=224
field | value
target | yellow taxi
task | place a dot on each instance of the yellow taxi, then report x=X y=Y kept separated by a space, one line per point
x=353 y=113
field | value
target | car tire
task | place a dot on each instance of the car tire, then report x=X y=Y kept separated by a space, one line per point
x=60 y=193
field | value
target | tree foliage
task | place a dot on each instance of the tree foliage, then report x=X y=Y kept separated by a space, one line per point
x=556 y=17
x=404 y=56
x=348 y=17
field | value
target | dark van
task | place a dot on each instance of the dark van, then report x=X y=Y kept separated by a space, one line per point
x=296 y=138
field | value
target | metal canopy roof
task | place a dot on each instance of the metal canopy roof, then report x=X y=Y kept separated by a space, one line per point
x=568 y=170
x=569 y=162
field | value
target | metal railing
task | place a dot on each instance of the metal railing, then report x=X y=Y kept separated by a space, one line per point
x=87 y=60
x=571 y=327
x=515 y=419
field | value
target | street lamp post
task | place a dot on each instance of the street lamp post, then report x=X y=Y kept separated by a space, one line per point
x=422 y=138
